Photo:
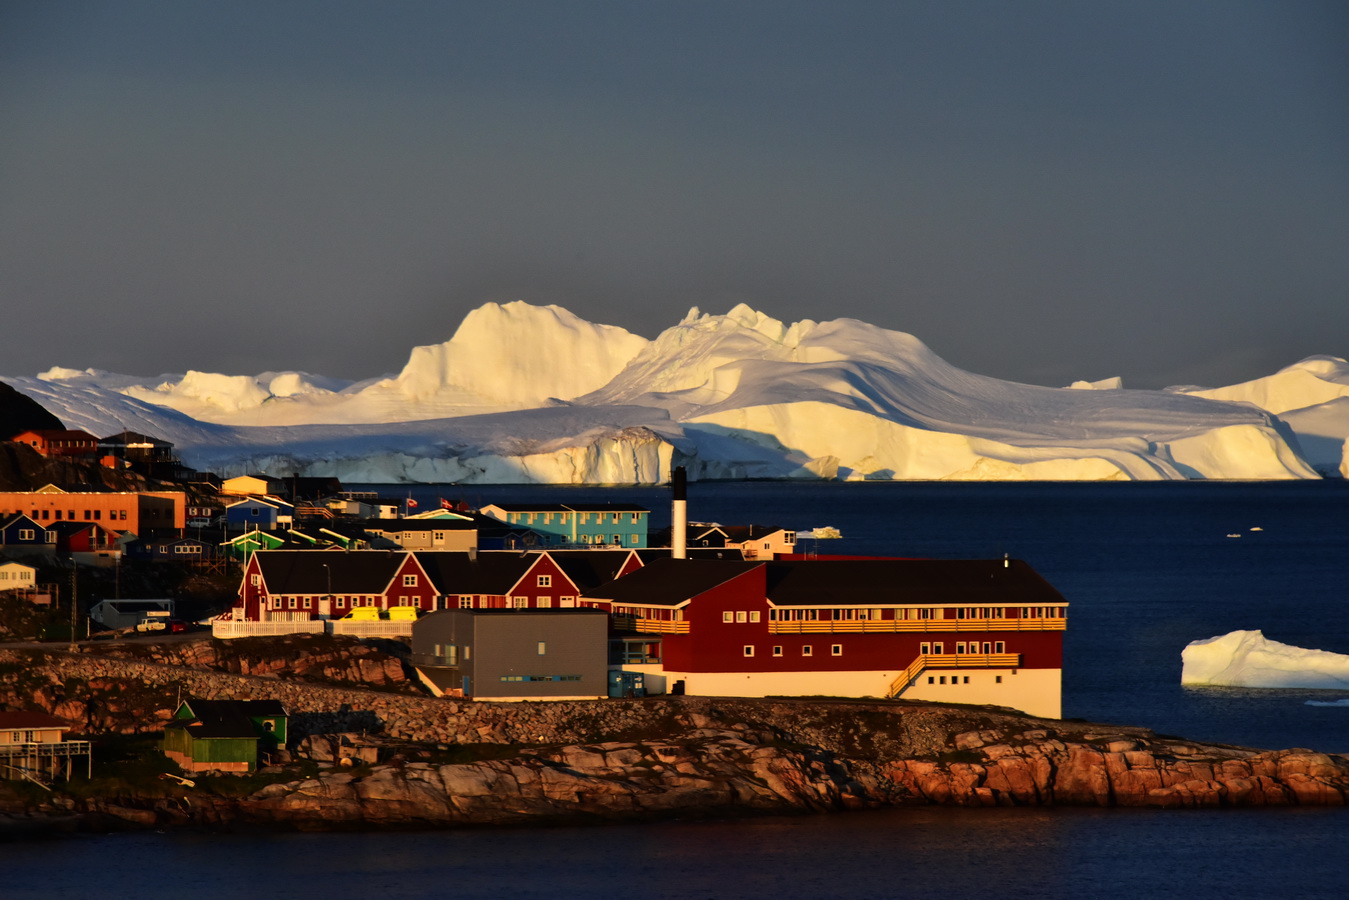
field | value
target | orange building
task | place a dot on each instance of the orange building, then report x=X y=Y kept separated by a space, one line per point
x=142 y=512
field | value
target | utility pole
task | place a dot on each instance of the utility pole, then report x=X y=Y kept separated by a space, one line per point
x=74 y=600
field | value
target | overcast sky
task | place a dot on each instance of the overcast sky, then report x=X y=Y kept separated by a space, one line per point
x=1040 y=191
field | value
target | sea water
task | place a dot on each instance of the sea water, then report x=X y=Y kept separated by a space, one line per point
x=1146 y=568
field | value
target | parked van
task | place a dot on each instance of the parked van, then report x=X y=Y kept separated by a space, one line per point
x=403 y=613
x=362 y=614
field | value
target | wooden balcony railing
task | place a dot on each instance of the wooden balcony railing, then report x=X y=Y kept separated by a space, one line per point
x=952 y=661
x=890 y=626
x=649 y=626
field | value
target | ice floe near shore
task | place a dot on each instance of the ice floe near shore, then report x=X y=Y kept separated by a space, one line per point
x=1249 y=659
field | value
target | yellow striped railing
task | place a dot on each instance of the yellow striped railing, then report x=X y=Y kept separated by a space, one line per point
x=953 y=661
x=649 y=626
x=890 y=626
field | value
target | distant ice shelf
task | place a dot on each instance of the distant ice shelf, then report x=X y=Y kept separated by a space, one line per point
x=1249 y=659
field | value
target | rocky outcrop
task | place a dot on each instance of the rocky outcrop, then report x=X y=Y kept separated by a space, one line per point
x=320 y=659
x=381 y=758
x=1042 y=767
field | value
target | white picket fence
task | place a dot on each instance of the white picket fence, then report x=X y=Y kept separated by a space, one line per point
x=226 y=629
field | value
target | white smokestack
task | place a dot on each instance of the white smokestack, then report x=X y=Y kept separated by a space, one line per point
x=680 y=514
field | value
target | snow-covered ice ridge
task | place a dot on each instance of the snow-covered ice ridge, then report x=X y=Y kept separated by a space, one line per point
x=1249 y=659
x=525 y=393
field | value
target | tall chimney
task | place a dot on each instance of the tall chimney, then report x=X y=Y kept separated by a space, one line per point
x=679 y=530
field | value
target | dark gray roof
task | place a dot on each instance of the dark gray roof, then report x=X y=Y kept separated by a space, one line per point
x=226 y=718
x=481 y=573
x=895 y=582
x=670 y=582
x=590 y=568
x=347 y=571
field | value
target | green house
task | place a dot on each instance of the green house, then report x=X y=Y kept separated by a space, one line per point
x=245 y=545
x=224 y=735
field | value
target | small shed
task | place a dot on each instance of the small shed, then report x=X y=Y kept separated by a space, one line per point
x=224 y=735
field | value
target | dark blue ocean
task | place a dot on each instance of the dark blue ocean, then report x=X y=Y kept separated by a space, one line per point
x=1146 y=568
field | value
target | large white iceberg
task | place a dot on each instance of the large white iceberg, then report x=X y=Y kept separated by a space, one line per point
x=1249 y=659
x=535 y=394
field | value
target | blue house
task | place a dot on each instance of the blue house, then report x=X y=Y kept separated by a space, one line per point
x=255 y=512
x=20 y=535
x=576 y=524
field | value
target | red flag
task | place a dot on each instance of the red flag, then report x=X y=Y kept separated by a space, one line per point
x=412 y=504
x=445 y=504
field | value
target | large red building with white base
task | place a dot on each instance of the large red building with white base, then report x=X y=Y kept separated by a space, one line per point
x=961 y=631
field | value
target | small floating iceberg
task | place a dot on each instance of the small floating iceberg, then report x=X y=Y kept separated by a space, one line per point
x=1248 y=659
x=823 y=533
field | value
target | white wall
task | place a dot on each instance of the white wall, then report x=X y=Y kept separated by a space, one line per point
x=1033 y=691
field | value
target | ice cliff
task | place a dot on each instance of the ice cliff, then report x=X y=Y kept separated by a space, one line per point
x=523 y=393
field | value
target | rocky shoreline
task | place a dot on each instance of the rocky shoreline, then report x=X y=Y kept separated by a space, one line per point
x=363 y=759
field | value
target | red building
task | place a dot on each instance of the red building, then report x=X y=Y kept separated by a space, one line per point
x=302 y=585
x=967 y=631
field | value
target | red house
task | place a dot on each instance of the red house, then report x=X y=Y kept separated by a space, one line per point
x=59 y=442
x=965 y=631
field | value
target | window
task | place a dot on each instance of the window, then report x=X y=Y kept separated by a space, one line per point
x=749 y=649
x=617 y=516
x=545 y=581
x=807 y=650
x=544 y=602
x=1000 y=647
x=931 y=679
x=836 y=650
x=618 y=539
x=925 y=648
x=997 y=679
x=543 y=647
x=632 y=539
x=520 y=602
x=754 y=616
x=409 y=581
x=290 y=602
x=777 y=651
x=727 y=617
x=306 y=602
x=941 y=679
x=28 y=534
x=960 y=646
x=742 y=617
x=465 y=602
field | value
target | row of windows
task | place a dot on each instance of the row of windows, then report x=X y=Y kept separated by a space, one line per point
x=741 y=616
x=911 y=614
x=90 y=515
x=806 y=650
x=563 y=518
x=540 y=677
x=937 y=647
x=957 y=679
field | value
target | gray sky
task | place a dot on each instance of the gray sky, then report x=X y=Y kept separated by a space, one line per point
x=1040 y=191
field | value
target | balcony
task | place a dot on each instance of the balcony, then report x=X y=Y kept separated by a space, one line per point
x=648 y=626
x=891 y=626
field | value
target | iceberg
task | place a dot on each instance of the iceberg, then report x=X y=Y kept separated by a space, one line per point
x=1249 y=659
x=535 y=394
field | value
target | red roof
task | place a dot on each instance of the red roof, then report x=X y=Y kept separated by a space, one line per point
x=28 y=720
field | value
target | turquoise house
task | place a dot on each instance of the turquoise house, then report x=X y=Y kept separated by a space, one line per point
x=575 y=524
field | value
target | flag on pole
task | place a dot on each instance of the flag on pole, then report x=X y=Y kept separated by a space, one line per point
x=412 y=504
x=445 y=504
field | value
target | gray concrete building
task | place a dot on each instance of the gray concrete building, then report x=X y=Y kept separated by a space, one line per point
x=513 y=654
